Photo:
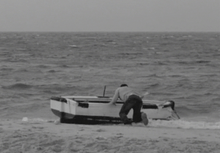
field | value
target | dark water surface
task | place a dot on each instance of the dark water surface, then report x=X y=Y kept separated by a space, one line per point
x=183 y=67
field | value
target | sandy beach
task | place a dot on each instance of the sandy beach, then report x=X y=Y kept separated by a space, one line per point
x=49 y=136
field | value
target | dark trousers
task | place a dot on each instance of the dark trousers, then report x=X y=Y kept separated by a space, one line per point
x=134 y=102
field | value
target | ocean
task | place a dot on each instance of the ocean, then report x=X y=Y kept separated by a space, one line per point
x=183 y=67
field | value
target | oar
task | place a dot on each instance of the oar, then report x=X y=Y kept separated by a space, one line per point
x=176 y=114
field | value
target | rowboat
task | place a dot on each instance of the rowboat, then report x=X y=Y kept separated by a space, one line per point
x=96 y=109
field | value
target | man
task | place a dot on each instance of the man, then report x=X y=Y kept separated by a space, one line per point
x=131 y=100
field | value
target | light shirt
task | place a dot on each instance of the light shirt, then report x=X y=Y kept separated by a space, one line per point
x=123 y=93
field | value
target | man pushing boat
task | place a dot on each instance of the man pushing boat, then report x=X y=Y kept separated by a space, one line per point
x=131 y=100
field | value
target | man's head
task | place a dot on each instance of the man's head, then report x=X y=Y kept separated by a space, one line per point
x=124 y=85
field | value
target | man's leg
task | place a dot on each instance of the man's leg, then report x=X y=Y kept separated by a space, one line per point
x=139 y=116
x=137 y=111
x=125 y=110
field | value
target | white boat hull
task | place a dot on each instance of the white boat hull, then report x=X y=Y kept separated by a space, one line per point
x=93 y=108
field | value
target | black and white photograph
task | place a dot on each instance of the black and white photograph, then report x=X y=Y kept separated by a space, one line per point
x=109 y=76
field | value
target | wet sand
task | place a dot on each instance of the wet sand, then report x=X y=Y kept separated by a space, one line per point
x=38 y=136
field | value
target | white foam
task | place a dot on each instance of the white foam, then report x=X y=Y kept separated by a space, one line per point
x=156 y=123
x=185 y=124
x=26 y=119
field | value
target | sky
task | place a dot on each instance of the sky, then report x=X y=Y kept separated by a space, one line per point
x=110 y=15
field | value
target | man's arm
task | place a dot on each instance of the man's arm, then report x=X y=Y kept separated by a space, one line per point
x=115 y=97
x=146 y=93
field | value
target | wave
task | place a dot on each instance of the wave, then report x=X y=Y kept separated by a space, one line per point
x=199 y=114
x=17 y=86
x=42 y=66
x=56 y=88
x=63 y=66
x=6 y=69
x=51 y=71
x=22 y=70
x=202 y=61
x=185 y=111
x=153 y=85
x=190 y=62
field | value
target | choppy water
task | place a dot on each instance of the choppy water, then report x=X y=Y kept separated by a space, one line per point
x=183 y=67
